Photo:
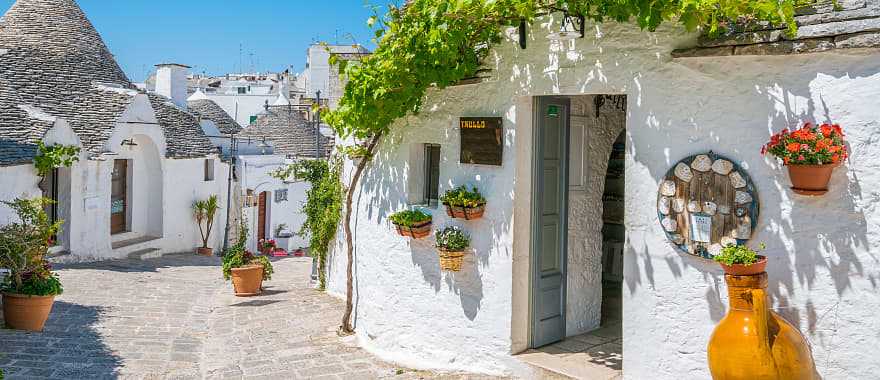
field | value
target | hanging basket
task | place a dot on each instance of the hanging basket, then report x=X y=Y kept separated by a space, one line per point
x=451 y=261
x=466 y=213
x=418 y=231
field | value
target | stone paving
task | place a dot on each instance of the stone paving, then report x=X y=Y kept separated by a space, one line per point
x=175 y=318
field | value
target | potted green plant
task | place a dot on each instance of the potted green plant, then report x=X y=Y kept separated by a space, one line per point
x=246 y=270
x=412 y=223
x=811 y=154
x=451 y=243
x=30 y=287
x=204 y=212
x=462 y=203
x=740 y=260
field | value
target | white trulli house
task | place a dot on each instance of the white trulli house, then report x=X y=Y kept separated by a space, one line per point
x=576 y=249
x=144 y=159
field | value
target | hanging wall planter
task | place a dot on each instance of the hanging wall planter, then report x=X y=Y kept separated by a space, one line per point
x=462 y=203
x=811 y=154
x=451 y=244
x=412 y=223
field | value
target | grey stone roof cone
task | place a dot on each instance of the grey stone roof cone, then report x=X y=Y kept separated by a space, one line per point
x=59 y=32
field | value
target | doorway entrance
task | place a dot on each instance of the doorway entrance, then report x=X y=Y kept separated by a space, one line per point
x=119 y=197
x=262 y=212
x=577 y=235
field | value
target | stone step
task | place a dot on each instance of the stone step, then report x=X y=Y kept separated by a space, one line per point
x=146 y=254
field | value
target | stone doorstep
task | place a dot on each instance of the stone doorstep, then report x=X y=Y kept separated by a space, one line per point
x=573 y=366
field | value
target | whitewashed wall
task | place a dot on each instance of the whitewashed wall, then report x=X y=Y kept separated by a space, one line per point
x=823 y=269
x=256 y=176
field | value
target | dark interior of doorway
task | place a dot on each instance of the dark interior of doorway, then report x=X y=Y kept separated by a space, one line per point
x=613 y=236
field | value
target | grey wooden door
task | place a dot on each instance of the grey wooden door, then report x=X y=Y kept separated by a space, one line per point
x=550 y=214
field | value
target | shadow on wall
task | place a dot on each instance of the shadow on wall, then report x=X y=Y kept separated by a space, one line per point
x=806 y=237
x=68 y=347
x=386 y=178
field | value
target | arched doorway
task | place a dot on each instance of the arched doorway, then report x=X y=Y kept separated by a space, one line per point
x=137 y=189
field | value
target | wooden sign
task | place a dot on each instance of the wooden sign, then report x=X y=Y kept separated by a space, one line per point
x=707 y=202
x=482 y=140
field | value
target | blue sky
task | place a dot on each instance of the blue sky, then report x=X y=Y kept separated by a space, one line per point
x=206 y=34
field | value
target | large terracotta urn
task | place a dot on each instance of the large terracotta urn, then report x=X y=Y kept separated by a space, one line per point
x=247 y=281
x=29 y=313
x=754 y=343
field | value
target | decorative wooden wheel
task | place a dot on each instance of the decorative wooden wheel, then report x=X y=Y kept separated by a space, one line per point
x=705 y=203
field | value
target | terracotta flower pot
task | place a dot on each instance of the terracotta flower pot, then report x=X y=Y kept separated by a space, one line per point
x=746 y=270
x=205 y=251
x=467 y=213
x=28 y=313
x=418 y=231
x=810 y=179
x=247 y=281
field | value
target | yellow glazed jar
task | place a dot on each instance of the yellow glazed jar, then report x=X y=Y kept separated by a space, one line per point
x=754 y=343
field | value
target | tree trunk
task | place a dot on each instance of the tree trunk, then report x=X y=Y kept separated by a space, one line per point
x=346 y=327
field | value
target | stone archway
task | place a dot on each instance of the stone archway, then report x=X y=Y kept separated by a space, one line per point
x=145 y=187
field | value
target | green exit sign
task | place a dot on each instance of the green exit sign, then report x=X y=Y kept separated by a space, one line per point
x=553 y=111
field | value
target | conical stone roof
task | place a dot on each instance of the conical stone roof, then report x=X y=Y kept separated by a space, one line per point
x=53 y=60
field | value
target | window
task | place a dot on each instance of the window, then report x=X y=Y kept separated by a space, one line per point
x=280 y=196
x=432 y=173
x=242 y=90
x=253 y=120
x=209 y=170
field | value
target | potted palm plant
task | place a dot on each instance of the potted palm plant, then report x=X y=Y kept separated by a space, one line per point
x=465 y=204
x=740 y=260
x=811 y=154
x=30 y=287
x=246 y=270
x=412 y=223
x=204 y=212
x=452 y=243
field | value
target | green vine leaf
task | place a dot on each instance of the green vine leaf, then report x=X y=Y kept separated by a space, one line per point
x=49 y=158
x=440 y=42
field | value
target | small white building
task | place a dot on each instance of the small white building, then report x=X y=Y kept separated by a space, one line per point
x=318 y=73
x=544 y=265
x=144 y=159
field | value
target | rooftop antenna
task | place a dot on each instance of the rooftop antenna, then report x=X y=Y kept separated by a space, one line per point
x=240 y=59
x=336 y=36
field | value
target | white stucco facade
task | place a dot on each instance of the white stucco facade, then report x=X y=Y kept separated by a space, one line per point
x=256 y=176
x=160 y=191
x=823 y=274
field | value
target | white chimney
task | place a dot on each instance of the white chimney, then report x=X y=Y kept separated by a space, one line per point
x=171 y=82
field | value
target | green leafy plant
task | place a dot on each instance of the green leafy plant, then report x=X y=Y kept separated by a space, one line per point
x=23 y=247
x=204 y=212
x=323 y=205
x=462 y=197
x=356 y=152
x=410 y=218
x=237 y=256
x=452 y=239
x=49 y=158
x=737 y=254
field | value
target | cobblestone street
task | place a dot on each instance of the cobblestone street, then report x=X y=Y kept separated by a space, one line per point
x=175 y=317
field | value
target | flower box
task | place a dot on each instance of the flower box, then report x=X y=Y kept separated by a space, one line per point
x=462 y=203
x=412 y=223
x=418 y=231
